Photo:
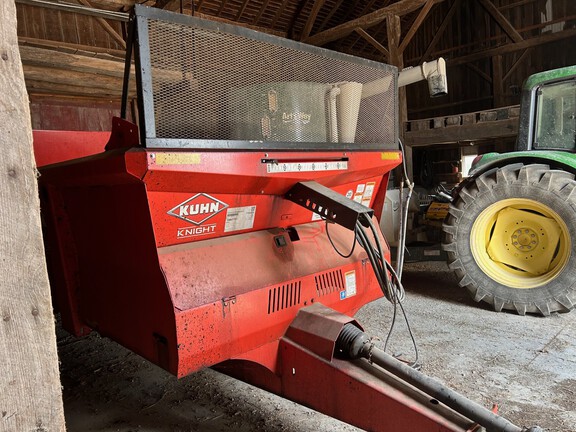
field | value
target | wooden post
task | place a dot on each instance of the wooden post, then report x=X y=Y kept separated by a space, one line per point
x=497 y=81
x=394 y=33
x=397 y=59
x=31 y=395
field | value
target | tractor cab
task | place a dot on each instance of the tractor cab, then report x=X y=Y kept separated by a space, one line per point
x=548 y=106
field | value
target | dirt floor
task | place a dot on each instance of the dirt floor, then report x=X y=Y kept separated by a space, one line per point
x=527 y=365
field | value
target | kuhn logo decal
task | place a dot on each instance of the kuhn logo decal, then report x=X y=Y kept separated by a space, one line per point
x=198 y=209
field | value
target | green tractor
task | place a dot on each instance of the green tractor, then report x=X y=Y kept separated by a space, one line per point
x=510 y=234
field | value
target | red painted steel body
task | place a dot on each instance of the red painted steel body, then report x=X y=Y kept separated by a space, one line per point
x=57 y=146
x=353 y=391
x=193 y=258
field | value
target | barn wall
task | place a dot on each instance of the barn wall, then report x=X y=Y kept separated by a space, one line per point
x=472 y=30
x=49 y=24
x=73 y=114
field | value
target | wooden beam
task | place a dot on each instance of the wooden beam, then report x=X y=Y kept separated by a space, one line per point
x=416 y=25
x=120 y=5
x=33 y=56
x=30 y=380
x=516 y=63
x=49 y=66
x=497 y=81
x=171 y=5
x=105 y=83
x=370 y=4
x=241 y=11
x=444 y=106
x=35 y=87
x=261 y=11
x=107 y=27
x=440 y=30
x=396 y=58
x=512 y=47
x=467 y=132
x=401 y=8
x=78 y=9
x=501 y=20
x=480 y=72
x=70 y=48
x=279 y=12
x=373 y=42
x=330 y=15
x=516 y=4
x=249 y=26
x=312 y=18
x=394 y=32
x=222 y=5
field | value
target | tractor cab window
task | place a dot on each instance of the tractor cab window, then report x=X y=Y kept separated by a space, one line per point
x=556 y=117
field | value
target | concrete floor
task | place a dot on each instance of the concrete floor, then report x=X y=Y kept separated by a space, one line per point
x=527 y=365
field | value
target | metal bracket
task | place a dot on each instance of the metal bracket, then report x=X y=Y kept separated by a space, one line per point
x=329 y=204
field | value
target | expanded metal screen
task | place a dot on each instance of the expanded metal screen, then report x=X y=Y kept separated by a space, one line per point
x=202 y=80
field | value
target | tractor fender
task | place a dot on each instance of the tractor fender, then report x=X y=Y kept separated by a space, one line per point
x=557 y=160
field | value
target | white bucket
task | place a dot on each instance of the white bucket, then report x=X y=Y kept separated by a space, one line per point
x=348 y=108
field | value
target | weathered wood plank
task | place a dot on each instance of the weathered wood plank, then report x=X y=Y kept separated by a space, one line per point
x=72 y=78
x=67 y=73
x=71 y=48
x=31 y=394
x=49 y=88
x=495 y=123
x=110 y=66
x=464 y=132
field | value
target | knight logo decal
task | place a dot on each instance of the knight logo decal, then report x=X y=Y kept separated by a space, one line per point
x=198 y=209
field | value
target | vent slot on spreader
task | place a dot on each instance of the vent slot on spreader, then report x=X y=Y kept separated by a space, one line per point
x=329 y=282
x=284 y=296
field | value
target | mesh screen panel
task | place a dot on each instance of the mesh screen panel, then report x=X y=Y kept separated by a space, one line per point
x=212 y=84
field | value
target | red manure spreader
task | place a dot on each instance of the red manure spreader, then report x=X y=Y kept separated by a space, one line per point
x=232 y=227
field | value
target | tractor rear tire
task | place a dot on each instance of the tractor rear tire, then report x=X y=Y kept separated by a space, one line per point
x=510 y=236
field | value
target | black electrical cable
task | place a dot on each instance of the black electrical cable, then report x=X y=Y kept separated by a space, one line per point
x=375 y=261
x=334 y=246
x=414 y=364
x=362 y=239
x=396 y=300
x=404 y=206
x=392 y=289
x=395 y=293
x=381 y=257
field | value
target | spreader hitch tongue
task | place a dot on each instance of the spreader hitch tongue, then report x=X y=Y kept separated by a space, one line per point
x=354 y=344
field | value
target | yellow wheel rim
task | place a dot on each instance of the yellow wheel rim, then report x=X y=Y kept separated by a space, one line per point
x=520 y=243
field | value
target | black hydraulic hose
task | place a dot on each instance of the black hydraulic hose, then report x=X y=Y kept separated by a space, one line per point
x=356 y=344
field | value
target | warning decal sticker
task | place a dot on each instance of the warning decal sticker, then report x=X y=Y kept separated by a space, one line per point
x=240 y=218
x=350 y=279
